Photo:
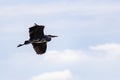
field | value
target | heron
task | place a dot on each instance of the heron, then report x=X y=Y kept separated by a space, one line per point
x=38 y=39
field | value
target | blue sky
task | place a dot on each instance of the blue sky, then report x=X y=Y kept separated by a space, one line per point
x=88 y=46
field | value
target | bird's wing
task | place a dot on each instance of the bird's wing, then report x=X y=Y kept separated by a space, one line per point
x=36 y=32
x=40 y=48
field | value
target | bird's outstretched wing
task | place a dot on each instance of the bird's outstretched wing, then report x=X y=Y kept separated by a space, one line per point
x=40 y=48
x=36 y=32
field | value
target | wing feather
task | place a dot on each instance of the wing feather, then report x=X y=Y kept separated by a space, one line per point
x=36 y=32
x=40 y=48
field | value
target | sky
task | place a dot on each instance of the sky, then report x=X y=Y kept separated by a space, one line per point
x=88 y=46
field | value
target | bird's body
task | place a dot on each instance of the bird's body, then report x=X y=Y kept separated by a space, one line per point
x=38 y=39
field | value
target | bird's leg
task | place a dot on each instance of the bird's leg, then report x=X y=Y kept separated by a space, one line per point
x=25 y=43
x=20 y=45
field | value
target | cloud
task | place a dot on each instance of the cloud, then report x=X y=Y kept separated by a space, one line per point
x=97 y=58
x=85 y=17
x=107 y=52
x=58 y=7
x=100 y=52
x=56 y=75
x=110 y=48
x=66 y=56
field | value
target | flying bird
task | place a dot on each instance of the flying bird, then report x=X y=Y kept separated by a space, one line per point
x=38 y=39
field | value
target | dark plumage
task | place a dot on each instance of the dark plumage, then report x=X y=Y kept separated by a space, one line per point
x=38 y=39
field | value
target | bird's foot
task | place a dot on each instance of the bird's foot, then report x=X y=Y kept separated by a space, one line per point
x=20 y=45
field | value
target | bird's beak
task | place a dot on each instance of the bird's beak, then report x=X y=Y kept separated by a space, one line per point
x=53 y=36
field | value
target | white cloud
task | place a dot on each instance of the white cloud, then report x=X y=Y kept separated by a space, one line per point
x=56 y=75
x=110 y=48
x=102 y=52
x=109 y=52
x=66 y=56
x=98 y=57
x=106 y=46
x=60 y=7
